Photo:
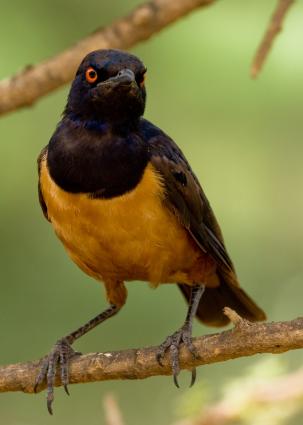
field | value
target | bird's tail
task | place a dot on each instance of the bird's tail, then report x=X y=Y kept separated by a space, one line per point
x=227 y=294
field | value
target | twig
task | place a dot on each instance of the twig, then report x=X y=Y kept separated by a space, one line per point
x=272 y=31
x=113 y=414
x=36 y=81
x=246 y=339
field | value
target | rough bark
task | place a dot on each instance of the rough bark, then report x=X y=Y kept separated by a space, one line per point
x=245 y=339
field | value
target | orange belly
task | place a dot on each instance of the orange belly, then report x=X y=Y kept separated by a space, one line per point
x=130 y=237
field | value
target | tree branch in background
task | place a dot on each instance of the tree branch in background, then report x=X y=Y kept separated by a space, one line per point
x=36 y=81
x=272 y=31
x=113 y=415
x=246 y=339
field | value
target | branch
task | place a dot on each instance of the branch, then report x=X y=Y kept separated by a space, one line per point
x=246 y=339
x=36 y=81
x=272 y=31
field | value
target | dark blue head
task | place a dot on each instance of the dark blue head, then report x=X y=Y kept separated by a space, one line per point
x=108 y=87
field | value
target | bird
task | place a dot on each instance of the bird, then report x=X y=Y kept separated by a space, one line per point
x=126 y=205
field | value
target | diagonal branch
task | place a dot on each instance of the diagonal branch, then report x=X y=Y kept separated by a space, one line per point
x=271 y=33
x=36 y=81
x=246 y=339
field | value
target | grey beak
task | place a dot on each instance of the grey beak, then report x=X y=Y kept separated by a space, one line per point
x=124 y=77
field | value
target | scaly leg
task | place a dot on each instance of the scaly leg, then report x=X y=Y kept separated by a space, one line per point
x=183 y=335
x=62 y=352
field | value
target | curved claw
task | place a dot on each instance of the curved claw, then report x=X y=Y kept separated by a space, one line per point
x=61 y=353
x=49 y=403
x=173 y=343
x=42 y=374
x=66 y=389
x=176 y=381
x=193 y=377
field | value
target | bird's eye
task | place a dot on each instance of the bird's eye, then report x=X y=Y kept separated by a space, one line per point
x=141 y=78
x=91 y=75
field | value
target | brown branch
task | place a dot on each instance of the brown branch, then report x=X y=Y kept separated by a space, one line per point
x=272 y=31
x=36 y=81
x=246 y=339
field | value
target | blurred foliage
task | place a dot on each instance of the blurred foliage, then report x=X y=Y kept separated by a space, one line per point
x=243 y=139
x=191 y=403
x=240 y=397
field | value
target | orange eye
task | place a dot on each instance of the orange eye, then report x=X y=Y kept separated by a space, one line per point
x=91 y=75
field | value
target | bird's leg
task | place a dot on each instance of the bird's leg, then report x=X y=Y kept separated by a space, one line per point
x=62 y=352
x=182 y=335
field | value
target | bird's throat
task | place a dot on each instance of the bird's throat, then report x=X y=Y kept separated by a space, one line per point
x=93 y=159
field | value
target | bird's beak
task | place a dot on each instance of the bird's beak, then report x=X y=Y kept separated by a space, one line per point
x=124 y=78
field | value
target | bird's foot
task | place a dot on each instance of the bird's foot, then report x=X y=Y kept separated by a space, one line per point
x=173 y=343
x=60 y=354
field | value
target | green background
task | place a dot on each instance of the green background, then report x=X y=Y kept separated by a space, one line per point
x=242 y=137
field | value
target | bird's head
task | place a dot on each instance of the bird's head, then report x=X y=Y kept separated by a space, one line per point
x=108 y=86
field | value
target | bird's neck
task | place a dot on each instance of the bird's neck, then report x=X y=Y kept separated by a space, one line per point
x=104 y=124
x=93 y=124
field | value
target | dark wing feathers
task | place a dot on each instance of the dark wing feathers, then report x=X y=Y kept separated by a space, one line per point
x=186 y=199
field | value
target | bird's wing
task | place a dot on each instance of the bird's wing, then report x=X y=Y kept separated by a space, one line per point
x=186 y=199
x=41 y=158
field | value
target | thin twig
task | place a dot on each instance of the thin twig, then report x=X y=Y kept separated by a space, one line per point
x=274 y=27
x=245 y=339
x=112 y=411
x=36 y=81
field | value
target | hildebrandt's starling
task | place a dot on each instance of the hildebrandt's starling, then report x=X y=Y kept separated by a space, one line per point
x=126 y=205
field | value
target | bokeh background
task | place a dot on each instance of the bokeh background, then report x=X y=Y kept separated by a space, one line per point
x=243 y=139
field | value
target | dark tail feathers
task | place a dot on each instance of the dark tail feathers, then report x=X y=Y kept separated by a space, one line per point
x=210 y=310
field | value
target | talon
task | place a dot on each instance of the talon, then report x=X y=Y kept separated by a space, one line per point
x=49 y=404
x=37 y=383
x=173 y=344
x=176 y=381
x=193 y=377
x=41 y=374
x=58 y=357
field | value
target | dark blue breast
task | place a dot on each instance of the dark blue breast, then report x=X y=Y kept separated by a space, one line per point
x=97 y=161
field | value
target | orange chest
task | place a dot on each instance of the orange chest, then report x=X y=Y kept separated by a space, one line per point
x=133 y=236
